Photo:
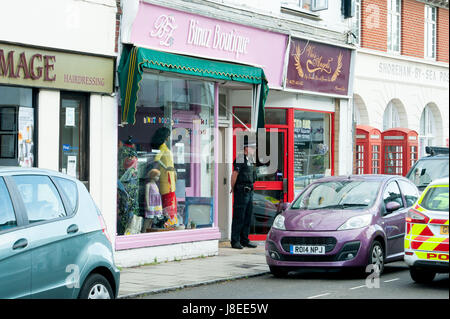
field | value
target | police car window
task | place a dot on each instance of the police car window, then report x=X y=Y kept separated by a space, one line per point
x=410 y=192
x=392 y=194
x=70 y=190
x=7 y=216
x=41 y=199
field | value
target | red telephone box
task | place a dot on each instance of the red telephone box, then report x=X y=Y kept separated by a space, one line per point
x=400 y=146
x=368 y=150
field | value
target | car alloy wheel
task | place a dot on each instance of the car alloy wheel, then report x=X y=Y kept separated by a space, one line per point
x=377 y=256
x=96 y=287
x=99 y=292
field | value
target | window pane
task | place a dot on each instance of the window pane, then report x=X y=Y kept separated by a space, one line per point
x=392 y=194
x=166 y=159
x=41 y=199
x=275 y=116
x=70 y=190
x=410 y=192
x=243 y=114
x=7 y=216
x=311 y=147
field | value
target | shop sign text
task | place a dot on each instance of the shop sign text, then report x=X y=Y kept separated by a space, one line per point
x=19 y=65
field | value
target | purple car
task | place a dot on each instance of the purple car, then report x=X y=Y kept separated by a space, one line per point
x=343 y=221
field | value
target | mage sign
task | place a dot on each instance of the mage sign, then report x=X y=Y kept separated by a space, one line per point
x=318 y=67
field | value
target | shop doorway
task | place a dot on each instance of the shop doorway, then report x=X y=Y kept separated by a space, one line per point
x=271 y=184
x=74 y=136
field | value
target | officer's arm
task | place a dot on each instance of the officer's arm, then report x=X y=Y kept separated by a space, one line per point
x=233 y=179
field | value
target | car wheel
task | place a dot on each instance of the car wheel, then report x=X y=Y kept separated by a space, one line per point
x=96 y=287
x=278 y=271
x=421 y=276
x=376 y=257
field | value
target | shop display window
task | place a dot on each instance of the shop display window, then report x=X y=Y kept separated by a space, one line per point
x=166 y=159
x=312 y=148
x=16 y=127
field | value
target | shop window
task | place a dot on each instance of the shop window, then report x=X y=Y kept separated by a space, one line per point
x=312 y=147
x=243 y=114
x=427 y=130
x=74 y=136
x=166 y=159
x=16 y=127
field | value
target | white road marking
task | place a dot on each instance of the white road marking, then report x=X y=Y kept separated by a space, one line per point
x=318 y=296
x=392 y=280
x=358 y=287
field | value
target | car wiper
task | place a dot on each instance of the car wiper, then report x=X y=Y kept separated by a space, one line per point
x=342 y=206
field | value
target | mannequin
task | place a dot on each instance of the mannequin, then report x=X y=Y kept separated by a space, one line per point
x=153 y=204
x=164 y=159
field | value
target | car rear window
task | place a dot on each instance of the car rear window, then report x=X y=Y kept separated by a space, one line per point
x=70 y=190
x=436 y=198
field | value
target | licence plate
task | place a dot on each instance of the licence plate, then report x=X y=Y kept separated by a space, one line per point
x=307 y=250
x=444 y=230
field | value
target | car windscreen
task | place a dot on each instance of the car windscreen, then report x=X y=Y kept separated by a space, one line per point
x=436 y=198
x=426 y=171
x=343 y=194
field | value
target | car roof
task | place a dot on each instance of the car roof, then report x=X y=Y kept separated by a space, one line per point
x=440 y=181
x=437 y=156
x=35 y=171
x=367 y=177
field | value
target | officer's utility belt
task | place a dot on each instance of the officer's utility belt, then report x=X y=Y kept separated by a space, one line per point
x=245 y=188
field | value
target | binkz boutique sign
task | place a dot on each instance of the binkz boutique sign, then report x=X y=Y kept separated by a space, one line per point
x=318 y=67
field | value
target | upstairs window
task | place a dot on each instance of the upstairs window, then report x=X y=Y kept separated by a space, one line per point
x=430 y=32
x=306 y=5
x=394 y=26
x=356 y=23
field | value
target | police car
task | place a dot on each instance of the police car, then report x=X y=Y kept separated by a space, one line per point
x=426 y=241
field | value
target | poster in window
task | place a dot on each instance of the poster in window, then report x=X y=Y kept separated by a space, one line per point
x=25 y=136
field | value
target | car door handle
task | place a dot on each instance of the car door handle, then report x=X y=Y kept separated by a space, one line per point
x=72 y=229
x=20 y=244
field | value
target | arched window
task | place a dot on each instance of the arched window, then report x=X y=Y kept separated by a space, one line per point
x=391 y=118
x=427 y=132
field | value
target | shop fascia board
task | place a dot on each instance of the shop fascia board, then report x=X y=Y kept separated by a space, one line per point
x=264 y=21
x=402 y=58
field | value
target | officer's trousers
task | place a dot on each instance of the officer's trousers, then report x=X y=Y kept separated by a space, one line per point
x=242 y=216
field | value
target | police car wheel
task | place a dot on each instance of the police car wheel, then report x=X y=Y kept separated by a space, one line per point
x=421 y=276
x=278 y=271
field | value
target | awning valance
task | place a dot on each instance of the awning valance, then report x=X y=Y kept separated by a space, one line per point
x=135 y=59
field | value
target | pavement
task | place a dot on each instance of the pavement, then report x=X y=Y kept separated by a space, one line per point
x=229 y=264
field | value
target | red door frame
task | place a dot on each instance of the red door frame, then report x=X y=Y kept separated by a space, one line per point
x=288 y=130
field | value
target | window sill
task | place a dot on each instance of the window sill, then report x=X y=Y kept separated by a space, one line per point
x=300 y=12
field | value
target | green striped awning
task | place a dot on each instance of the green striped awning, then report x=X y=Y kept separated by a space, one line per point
x=135 y=59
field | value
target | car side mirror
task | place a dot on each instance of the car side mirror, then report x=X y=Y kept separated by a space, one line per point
x=392 y=206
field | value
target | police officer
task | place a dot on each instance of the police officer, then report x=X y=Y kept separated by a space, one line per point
x=242 y=179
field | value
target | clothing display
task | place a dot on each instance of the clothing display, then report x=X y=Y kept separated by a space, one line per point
x=153 y=200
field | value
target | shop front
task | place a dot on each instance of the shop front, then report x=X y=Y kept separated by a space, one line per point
x=42 y=87
x=172 y=76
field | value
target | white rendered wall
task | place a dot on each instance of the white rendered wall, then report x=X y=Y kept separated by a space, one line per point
x=48 y=129
x=87 y=26
x=141 y=256
x=103 y=157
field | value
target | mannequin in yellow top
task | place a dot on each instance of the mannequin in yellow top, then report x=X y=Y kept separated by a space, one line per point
x=168 y=179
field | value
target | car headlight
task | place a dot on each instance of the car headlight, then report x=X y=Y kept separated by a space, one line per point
x=278 y=223
x=357 y=222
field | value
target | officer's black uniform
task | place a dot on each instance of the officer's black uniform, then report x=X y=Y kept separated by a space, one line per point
x=243 y=201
